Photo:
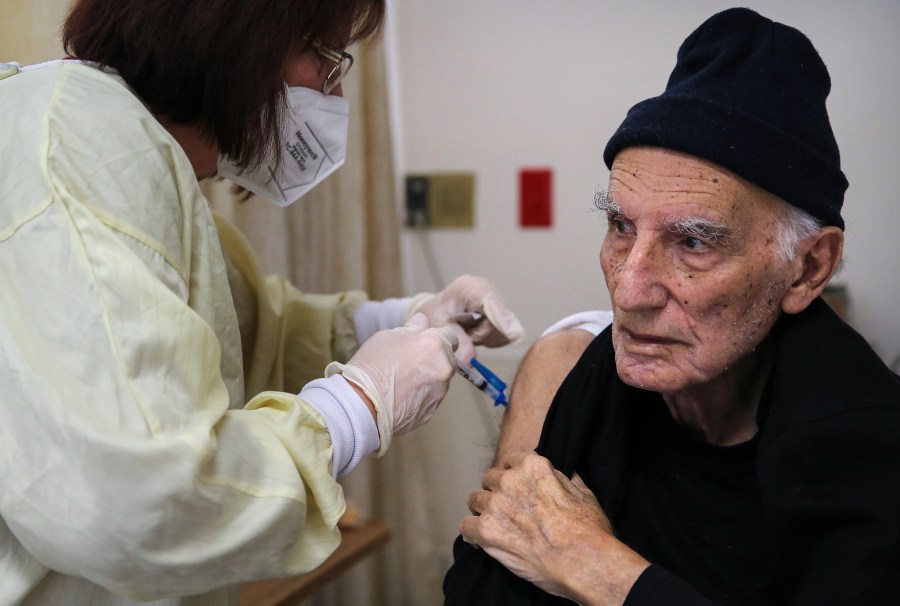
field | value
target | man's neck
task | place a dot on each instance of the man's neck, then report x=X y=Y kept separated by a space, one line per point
x=723 y=411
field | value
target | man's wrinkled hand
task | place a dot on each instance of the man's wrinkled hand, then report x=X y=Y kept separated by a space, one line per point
x=551 y=531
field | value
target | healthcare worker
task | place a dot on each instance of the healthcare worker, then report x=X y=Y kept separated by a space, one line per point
x=140 y=457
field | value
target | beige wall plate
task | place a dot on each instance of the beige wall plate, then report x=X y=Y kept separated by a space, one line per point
x=441 y=200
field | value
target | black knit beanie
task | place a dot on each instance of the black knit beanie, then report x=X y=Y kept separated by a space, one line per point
x=748 y=94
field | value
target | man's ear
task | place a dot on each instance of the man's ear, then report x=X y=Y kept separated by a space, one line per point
x=819 y=259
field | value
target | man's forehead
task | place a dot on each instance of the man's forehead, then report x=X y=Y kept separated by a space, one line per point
x=672 y=186
x=664 y=160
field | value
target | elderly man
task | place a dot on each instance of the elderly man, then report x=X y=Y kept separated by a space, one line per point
x=728 y=438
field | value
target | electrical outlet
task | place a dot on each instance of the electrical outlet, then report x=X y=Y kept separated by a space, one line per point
x=417 y=188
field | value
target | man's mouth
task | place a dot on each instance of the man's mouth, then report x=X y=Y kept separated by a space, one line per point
x=646 y=339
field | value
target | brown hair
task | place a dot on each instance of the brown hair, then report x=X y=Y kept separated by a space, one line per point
x=217 y=65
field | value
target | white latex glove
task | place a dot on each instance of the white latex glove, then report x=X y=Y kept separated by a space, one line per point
x=405 y=372
x=468 y=294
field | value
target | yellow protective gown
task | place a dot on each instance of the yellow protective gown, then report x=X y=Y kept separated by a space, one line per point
x=131 y=465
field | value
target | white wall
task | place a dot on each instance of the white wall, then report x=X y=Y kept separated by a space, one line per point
x=491 y=86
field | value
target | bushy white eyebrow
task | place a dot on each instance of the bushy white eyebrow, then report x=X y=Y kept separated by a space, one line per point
x=603 y=201
x=697 y=227
x=700 y=227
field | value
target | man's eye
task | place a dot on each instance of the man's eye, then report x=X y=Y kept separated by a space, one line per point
x=695 y=244
x=619 y=226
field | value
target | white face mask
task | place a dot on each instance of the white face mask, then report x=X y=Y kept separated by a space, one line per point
x=313 y=145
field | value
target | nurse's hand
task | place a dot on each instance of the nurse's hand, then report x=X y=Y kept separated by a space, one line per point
x=405 y=373
x=551 y=531
x=470 y=294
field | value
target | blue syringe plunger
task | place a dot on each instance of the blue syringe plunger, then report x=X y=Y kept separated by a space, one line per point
x=491 y=385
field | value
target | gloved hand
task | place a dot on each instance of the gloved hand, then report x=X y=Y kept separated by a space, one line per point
x=467 y=294
x=405 y=372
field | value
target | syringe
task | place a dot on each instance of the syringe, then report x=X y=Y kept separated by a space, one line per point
x=479 y=375
x=485 y=380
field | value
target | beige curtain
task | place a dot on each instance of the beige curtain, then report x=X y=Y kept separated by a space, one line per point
x=29 y=30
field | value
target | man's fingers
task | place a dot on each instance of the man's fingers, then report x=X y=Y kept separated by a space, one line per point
x=470 y=530
x=516 y=457
x=491 y=478
x=579 y=483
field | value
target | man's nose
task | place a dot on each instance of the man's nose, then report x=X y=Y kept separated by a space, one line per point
x=639 y=277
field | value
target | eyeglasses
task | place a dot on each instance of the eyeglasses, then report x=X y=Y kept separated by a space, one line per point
x=342 y=60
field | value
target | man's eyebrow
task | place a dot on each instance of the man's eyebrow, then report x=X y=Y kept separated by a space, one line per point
x=696 y=226
x=603 y=201
x=700 y=227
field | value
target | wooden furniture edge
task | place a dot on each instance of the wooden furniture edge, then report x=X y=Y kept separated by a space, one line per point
x=356 y=543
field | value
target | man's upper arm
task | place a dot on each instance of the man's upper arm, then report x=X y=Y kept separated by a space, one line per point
x=542 y=371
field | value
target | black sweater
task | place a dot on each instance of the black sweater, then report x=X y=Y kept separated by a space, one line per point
x=806 y=513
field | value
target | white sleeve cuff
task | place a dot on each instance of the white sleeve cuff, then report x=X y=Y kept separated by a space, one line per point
x=353 y=433
x=592 y=321
x=372 y=316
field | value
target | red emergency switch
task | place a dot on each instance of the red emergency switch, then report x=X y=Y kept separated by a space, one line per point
x=535 y=197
